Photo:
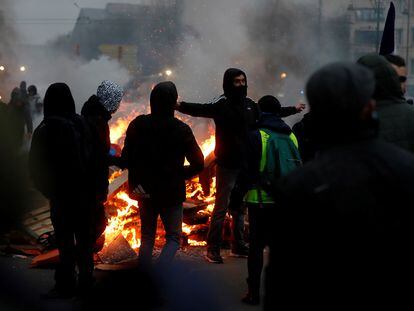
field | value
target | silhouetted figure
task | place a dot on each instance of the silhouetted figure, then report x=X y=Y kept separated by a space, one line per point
x=20 y=114
x=59 y=169
x=154 y=152
x=341 y=231
x=35 y=101
x=234 y=115
x=97 y=111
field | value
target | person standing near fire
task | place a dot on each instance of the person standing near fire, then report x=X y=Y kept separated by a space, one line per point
x=59 y=169
x=156 y=146
x=234 y=115
x=97 y=111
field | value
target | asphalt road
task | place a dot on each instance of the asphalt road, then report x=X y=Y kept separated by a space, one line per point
x=191 y=284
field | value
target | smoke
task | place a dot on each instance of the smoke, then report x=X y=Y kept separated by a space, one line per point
x=264 y=37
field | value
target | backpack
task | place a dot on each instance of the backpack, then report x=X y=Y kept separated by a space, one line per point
x=280 y=156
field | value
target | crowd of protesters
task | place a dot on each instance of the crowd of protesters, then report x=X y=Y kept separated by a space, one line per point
x=327 y=196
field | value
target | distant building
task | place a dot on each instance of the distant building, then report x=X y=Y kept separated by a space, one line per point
x=143 y=37
x=367 y=15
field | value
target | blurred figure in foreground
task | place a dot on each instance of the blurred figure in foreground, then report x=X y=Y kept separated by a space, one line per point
x=342 y=230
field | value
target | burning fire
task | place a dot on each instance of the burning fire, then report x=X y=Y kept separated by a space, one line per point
x=125 y=220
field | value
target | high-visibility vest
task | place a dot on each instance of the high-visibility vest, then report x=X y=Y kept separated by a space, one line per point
x=252 y=195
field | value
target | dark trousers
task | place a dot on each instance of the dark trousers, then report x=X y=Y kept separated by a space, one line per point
x=226 y=180
x=260 y=222
x=172 y=218
x=74 y=240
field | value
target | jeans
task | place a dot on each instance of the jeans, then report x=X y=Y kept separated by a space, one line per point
x=226 y=180
x=172 y=218
x=74 y=238
x=260 y=222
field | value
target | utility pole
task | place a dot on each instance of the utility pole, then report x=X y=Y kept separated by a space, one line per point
x=407 y=52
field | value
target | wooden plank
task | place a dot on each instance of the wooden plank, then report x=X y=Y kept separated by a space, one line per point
x=38 y=211
x=51 y=257
x=42 y=224
x=117 y=184
x=36 y=219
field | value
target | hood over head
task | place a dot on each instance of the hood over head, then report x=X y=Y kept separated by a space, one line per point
x=337 y=95
x=230 y=91
x=388 y=85
x=163 y=99
x=110 y=95
x=94 y=108
x=58 y=101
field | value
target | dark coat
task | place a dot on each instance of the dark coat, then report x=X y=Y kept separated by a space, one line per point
x=156 y=146
x=304 y=133
x=233 y=123
x=56 y=162
x=396 y=116
x=97 y=118
x=343 y=229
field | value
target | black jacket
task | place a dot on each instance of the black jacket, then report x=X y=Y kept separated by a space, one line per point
x=56 y=161
x=97 y=118
x=343 y=229
x=304 y=133
x=233 y=122
x=396 y=116
x=156 y=146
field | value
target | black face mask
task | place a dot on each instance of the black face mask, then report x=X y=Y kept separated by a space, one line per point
x=238 y=92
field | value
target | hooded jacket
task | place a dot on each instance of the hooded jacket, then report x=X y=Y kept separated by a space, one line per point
x=97 y=118
x=156 y=146
x=395 y=115
x=57 y=165
x=250 y=172
x=234 y=115
x=343 y=219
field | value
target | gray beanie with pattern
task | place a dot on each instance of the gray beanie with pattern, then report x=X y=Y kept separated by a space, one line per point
x=110 y=95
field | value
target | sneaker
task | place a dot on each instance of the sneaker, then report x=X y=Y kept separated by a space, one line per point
x=251 y=299
x=240 y=252
x=214 y=257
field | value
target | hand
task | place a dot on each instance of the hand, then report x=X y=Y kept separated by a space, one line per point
x=300 y=107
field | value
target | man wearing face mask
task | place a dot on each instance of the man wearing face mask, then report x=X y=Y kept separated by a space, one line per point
x=234 y=115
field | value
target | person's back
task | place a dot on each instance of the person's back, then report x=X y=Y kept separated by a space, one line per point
x=346 y=232
x=59 y=169
x=156 y=147
x=341 y=237
x=396 y=116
